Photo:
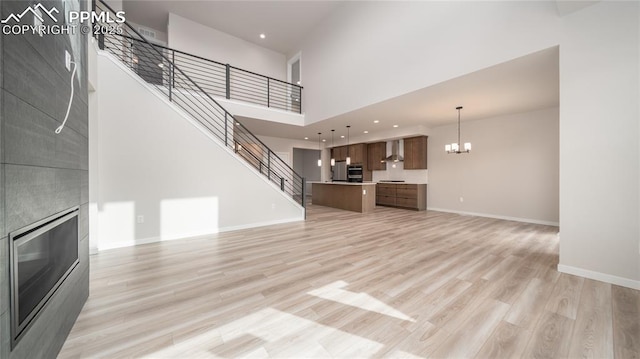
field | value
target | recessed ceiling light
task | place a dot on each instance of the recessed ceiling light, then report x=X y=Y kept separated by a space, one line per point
x=324 y=140
x=366 y=131
x=263 y=36
x=306 y=138
x=395 y=125
x=342 y=136
x=376 y=121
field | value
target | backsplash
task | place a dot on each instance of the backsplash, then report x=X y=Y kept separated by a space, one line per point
x=400 y=174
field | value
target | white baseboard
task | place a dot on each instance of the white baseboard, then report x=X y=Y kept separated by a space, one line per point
x=261 y=224
x=136 y=242
x=507 y=218
x=602 y=277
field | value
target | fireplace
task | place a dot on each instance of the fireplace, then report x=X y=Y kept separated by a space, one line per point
x=41 y=255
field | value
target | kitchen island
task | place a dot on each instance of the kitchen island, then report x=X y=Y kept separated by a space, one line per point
x=350 y=196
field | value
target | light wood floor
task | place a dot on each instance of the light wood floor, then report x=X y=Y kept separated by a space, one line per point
x=392 y=283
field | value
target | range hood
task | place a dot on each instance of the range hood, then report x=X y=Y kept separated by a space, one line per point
x=395 y=155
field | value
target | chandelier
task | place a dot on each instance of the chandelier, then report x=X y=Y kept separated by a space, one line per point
x=455 y=147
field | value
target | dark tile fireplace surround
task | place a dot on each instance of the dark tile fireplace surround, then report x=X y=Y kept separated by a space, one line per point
x=42 y=175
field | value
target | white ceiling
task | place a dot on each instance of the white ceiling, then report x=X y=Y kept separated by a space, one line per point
x=524 y=84
x=285 y=23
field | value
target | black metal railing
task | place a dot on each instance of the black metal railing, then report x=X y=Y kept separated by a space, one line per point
x=224 y=80
x=157 y=69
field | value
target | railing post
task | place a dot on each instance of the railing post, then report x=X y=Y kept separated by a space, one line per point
x=173 y=70
x=101 y=41
x=228 y=81
x=268 y=93
x=304 y=190
x=282 y=184
x=170 y=80
x=300 y=99
x=269 y=164
x=225 y=129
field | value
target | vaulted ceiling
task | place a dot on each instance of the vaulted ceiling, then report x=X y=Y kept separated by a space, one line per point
x=520 y=85
x=285 y=23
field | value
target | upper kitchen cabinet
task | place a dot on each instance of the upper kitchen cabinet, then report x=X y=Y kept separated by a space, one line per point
x=376 y=154
x=357 y=152
x=339 y=153
x=415 y=153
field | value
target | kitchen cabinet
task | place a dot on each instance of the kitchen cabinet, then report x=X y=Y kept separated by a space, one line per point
x=357 y=153
x=376 y=154
x=339 y=153
x=358 y=197
x=385 y=194
x=415 y=153
x=403 y=195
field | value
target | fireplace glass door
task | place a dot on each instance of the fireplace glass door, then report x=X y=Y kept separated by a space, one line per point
x=42 y=255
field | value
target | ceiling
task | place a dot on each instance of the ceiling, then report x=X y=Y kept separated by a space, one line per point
x=524 y=84
x=285 y=23
x=520 y=85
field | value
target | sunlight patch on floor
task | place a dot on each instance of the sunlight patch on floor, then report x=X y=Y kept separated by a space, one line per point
x=336 y=293
x=271 y=333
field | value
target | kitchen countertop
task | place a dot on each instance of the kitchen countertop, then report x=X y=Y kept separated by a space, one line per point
x=345 y=183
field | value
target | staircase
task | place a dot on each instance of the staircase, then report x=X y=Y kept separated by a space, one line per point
x=187 y=89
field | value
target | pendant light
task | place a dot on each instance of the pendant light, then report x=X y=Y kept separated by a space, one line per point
x=348 y=158
x=333 y=160
x=455 y=147
x=319 y=150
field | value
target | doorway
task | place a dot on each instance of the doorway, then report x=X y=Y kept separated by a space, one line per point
x=305 y=163
x=294 y=76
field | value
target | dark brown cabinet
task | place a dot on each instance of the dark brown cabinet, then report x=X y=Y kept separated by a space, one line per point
x=376 y=154
x=339 y=153
x=415 y=153
x=357 y=153
x=386 y=194
x=412 y=196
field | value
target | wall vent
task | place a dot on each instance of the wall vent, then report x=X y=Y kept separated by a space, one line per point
x=149 y=34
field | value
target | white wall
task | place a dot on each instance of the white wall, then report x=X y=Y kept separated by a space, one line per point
x=511 y=172
x=372 y=51
x=599 y=138
x=197 y=39
x=153 y=162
